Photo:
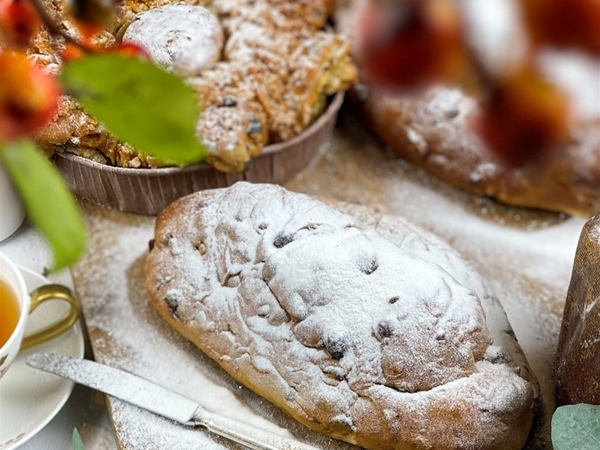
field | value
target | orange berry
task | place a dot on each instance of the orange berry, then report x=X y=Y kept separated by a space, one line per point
x=72 y=52
x=131 y=49
x=564 y=23
x=411 y=43
x=19 y=22
x=28 y=96
x=524 y=117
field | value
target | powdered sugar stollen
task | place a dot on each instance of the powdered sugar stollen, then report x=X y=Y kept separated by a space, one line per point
x=524 y=257
x=335 y=324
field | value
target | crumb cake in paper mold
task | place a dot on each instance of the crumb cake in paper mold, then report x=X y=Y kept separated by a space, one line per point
x=434 y=130
x=264 y=71
x=387 y=345
x=150 y=190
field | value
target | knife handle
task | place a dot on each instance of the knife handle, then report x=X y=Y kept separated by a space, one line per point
x=246 y=435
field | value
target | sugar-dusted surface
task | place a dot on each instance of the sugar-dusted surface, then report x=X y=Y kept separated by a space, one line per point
x=525 y=258
x=127 y=333
x=186 y=39
x=356 y=337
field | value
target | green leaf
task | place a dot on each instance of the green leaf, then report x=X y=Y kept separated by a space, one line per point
x=77 y=442
x=153 y=110
x=576 y=427
x=48 y=201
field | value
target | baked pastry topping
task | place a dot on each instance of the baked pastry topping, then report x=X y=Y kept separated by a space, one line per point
x=388 y=345
x=263 y=71
x=184 y=38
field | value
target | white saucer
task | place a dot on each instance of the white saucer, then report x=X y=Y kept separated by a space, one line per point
x=29 y=398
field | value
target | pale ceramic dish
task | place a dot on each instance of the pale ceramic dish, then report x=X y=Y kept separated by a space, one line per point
x=29 y=398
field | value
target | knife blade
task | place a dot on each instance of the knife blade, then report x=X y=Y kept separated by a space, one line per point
x=159 y=400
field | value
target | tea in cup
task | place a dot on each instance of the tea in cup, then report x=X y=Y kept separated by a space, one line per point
x=16 y=304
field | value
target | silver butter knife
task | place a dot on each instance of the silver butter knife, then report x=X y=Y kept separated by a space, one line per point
x=159 y=400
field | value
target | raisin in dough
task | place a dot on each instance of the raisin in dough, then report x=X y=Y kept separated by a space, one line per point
x=384 y=345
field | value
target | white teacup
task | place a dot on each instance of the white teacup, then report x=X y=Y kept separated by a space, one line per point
x=13 y=294
x=13 y=212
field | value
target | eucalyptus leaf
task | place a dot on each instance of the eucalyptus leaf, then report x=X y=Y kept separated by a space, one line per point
x=48 y=201
x=142 y=104
x=77 y=442
x=576 y=427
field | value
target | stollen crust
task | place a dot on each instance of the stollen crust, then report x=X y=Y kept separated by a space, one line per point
x=387 y=344
x=435 y=133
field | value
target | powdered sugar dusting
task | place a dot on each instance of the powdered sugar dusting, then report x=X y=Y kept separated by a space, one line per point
x=127 y=333
x=525 y=259
x=184 y=38
x=524 y=256
x=327 y=319
x=312 y=264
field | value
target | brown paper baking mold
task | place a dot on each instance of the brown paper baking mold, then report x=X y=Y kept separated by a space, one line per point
x=149 y=191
